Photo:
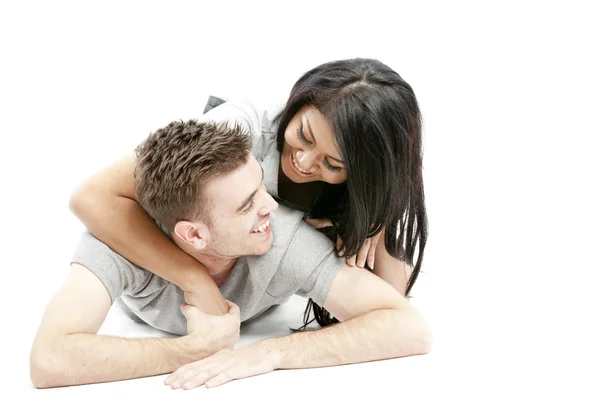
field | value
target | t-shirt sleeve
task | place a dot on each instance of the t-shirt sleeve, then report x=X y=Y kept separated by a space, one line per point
x=243 y=113
x=116 y=273
x=311 y=261
x=257 y=122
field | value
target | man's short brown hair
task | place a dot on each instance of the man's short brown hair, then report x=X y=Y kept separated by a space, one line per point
x=176 y=162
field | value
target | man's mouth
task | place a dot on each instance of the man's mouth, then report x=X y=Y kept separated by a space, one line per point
x=262 y=228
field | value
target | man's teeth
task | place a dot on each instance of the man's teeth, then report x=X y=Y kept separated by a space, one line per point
x=261 y=228
x=297 y=166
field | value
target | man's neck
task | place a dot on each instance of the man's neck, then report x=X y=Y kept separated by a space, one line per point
x=217 y=266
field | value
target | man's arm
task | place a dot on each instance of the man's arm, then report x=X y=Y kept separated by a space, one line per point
x=379 y=323
x=67 y=351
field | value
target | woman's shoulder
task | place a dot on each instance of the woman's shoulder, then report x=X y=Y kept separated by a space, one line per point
x=258 y=118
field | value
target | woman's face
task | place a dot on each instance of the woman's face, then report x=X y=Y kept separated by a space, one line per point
x=310 y=151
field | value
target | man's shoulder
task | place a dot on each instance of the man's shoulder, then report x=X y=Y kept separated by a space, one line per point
x=296 y=245
x=285 y=223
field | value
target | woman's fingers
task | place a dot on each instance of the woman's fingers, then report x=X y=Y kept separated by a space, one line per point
x=318 y=223
x=371 y=255
x=361 y=257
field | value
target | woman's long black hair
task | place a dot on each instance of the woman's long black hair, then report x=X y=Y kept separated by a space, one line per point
x=377 y=124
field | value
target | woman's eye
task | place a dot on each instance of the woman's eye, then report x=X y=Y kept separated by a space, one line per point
x=330 y=166
x=301 y=136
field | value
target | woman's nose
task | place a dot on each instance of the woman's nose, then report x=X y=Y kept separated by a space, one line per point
x=307 y=160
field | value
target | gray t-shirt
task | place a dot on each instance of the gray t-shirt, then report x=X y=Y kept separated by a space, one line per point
x=301 y=260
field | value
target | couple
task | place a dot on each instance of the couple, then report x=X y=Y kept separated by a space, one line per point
x=208 y=186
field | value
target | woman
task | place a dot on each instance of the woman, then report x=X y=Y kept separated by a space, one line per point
x=348 y=144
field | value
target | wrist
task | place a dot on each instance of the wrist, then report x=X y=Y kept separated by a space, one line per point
x=193 y=276
x=195 y=348
x=186 y=351
x=275 y=350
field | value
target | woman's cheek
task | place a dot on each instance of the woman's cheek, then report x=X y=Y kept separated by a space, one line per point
x=334 y=178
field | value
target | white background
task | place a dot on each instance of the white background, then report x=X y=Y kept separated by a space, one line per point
x=510 y=97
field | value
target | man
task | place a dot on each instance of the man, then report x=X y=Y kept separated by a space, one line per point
x=202 y=185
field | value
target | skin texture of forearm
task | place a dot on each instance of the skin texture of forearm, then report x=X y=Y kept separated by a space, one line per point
x=82 y=358
x=377 y=335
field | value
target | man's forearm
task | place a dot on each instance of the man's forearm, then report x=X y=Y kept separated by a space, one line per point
x=82 y=358
x=377 y=335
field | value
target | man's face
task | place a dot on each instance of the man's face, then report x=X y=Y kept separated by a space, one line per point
x=240 y=213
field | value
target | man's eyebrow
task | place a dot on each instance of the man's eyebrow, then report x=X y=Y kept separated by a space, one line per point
x=313 y=138
x=249 y=198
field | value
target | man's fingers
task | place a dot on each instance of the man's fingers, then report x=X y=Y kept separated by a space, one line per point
x=220 y=379
x=190 y=311
x=185 y=310
x=196 y=380
x=177 y=378
x=233 y=309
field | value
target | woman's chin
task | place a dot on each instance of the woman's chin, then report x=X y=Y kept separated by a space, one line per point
x=293 y=176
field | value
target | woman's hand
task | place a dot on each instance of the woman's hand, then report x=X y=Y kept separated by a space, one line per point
x=366 y=252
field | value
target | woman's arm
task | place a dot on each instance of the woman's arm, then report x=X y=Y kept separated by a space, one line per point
x=105 y=203
x=390 y=269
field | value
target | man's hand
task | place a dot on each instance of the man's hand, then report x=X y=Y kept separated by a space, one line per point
x=225 y=366
x=210 y=331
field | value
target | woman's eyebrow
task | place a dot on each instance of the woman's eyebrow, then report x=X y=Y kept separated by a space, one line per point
x=315 y=141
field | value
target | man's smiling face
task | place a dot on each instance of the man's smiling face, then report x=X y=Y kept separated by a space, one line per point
x=240 y=213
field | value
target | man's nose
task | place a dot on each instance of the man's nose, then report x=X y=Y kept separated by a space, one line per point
x=269 y=204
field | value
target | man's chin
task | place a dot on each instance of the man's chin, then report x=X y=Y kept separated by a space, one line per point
x=266 y=246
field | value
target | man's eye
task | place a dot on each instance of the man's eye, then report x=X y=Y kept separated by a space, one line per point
x=249 y=208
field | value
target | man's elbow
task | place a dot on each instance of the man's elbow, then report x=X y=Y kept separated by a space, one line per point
x=415 y=340
x=77 y=201
x=424 y=339
x=39 y=372
x=45 y=369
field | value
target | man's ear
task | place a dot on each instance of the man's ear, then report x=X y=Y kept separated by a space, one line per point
x=192 y=233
